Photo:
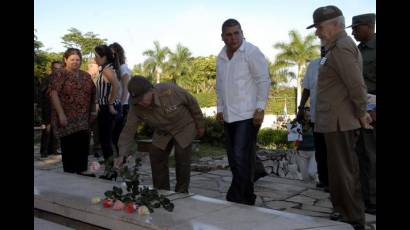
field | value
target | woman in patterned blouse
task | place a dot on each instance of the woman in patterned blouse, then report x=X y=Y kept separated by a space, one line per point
x=72 y=95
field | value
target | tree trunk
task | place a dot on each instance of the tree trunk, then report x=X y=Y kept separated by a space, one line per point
x=298 y=87
x=158 y=77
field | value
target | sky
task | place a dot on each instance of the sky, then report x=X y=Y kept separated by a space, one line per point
x=136 y=24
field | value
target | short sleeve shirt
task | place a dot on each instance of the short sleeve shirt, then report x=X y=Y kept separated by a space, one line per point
x=76 y=94
x=310 y=83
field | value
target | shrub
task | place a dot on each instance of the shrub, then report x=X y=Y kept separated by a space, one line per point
x=274 y=138
x=214 y=133
x=206 y=99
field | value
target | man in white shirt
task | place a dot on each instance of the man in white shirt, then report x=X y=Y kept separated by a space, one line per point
x=242 y=86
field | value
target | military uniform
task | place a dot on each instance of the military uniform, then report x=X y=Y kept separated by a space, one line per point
x=368 y=51
x=175 y=116
x=341 y=101
x=366 y=147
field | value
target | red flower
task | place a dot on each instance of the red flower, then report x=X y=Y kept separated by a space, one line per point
x=107 y=203
x=297 y=142
x=130 y=207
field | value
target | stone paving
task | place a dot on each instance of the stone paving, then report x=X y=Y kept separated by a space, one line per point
x=272 y=191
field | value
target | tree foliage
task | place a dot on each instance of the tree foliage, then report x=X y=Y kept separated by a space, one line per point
x=179 y=62
x=202 y=75
x=155 y=64
x=84 y=42
x=296 y=53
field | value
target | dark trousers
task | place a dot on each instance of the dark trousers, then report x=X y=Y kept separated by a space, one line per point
x=160 y=171
x=74 y=151
x=95 y=137
x=241 y=150
x=259 y=167
x=366 y=152
x=49 y=142
x=321 y=158
x=119 y=125
x=106 y=123
x=344 y=175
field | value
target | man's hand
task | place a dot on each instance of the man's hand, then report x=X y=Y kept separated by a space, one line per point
x=200 y=132
x=220 y=117
x=258 y=117
x=118 y=162
x=365 y=121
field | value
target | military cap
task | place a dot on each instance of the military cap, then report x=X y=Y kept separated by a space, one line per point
x=137 y=87
x=325 y=13
x=363 y=19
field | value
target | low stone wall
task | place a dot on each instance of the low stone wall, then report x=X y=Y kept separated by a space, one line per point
x=280 y=162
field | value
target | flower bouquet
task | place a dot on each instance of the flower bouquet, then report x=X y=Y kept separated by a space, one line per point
x=135 y=197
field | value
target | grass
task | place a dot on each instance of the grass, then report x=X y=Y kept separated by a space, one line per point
x=208 y=150
x=202 y=150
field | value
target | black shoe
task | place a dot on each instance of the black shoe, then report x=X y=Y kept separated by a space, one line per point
x=336 y=216
x=87 y=174
x=109 y=177
x=358 y=226
x=320 y=185
x=326 y=189
x=259 y=175
x=370 y=209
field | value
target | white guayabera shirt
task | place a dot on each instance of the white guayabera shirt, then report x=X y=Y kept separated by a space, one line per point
x=242 y=83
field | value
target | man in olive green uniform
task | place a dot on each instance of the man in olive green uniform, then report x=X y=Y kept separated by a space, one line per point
x=340 y=112
x=363 y=31
x=176 y=118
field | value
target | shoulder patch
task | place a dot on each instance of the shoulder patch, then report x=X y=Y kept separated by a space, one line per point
x=166 y=92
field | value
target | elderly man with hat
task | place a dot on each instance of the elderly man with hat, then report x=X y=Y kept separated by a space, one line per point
x=176 y=118
x=341 y=103
x=363 y=31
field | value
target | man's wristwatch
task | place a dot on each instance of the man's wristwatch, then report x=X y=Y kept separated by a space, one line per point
x=259 y=110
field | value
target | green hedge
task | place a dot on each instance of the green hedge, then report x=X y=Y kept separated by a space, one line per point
x=276 y=139
x=214 y=132
x=206 y=99
x=275 y=105
x=214 y=135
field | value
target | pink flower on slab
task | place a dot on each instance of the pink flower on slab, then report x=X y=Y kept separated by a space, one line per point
x=118 y=205
x=94 y=166
x=143 y=210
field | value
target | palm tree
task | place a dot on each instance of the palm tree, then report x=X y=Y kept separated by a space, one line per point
x=156 y=59
x=179 y=62
x=279 y=72
x=296 y=53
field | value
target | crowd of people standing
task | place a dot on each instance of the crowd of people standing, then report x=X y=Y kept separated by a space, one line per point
x=340 y=124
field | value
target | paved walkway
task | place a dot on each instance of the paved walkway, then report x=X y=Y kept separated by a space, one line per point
x=272 y=192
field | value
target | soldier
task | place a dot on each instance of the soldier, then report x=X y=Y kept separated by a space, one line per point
x=176 y=118
x=363 y=31
x=340 y=111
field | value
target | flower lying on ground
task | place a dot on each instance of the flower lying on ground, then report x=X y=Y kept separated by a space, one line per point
x=118 y=205
x=131 y=193
x=130 y=207
x=95 y=200
x=107 y=203
x=143 y=210
x=94 y=166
